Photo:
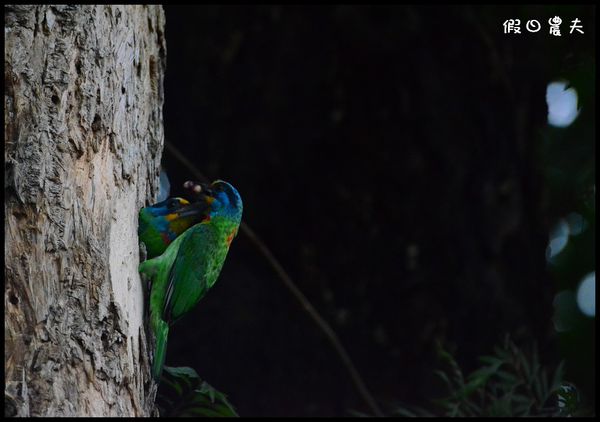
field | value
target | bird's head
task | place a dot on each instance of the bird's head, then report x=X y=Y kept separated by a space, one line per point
x=167 y=207
x=221 y=197
x=179 y=213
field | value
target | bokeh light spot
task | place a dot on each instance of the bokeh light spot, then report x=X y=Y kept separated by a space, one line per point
x=562 y=104
x=586 y=295
x=559 y=236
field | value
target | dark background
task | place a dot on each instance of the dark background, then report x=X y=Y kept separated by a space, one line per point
x=398 y=162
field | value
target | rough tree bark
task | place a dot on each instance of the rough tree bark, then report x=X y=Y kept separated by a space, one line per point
x=83 y=141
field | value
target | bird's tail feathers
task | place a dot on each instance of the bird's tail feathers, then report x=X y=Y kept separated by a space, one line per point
x=161 y=332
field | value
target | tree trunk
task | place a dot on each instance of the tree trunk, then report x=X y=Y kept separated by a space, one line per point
x=83 y=141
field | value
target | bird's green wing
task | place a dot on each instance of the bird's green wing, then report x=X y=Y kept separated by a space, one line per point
x=190 y=275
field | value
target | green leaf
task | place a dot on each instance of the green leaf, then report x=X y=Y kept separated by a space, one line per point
x=486 y=372
x=454 y=410
x=400 y=411
x=470 y=388
x=186 y=377
x=491 y=360
x=208 y=390
x=418 y=412
x=471 y=409
x=181 y=371
x=501 y=406
x=508 y=377
x=183 y=393
x=358 y=414
x=524 y=364
x=173 y=384
x=199 y=398
x=444 y=377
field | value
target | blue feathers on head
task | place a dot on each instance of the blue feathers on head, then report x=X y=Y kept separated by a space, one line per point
x=228 y=202
x=166 y=207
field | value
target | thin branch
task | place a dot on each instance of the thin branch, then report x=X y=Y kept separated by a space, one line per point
x=288 y=282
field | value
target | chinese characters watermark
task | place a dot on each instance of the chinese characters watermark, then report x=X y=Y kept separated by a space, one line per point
x=513 y=26
x=533 y=25
x=576 y=27
x=555 y=25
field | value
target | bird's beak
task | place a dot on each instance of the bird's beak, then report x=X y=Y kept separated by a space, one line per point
x=196 y=208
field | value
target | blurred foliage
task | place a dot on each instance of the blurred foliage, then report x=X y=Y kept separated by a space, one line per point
x=511 y=382
x=183 y=393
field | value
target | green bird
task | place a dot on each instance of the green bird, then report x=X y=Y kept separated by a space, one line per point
x=161 y=223
x=191 y=264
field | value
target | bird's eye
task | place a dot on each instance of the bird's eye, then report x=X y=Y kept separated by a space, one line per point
x=172 y=204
